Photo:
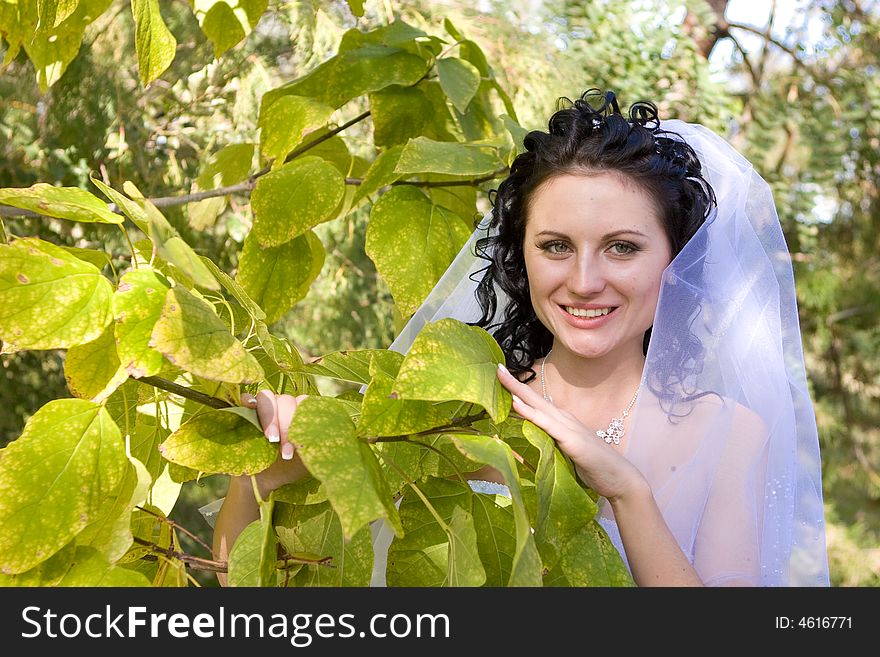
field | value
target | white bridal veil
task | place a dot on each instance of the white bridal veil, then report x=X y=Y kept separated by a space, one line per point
x=736 y=473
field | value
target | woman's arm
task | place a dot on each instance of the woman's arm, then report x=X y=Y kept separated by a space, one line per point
x=240 y=507
x=654 y=555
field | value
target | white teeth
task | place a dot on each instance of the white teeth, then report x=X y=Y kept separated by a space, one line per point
x=581 y=312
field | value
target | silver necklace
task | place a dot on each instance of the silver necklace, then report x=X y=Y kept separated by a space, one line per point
x=614 y=432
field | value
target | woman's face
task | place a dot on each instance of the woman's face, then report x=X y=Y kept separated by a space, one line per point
x=594 y=243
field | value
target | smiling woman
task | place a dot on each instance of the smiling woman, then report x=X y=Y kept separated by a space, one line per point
x=632 y=260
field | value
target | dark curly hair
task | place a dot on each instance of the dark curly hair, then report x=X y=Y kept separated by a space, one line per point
x=589 y=137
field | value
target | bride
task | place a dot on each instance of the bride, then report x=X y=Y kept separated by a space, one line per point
x=635 y=275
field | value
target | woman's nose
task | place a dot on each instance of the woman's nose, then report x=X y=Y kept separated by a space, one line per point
x=587 y=277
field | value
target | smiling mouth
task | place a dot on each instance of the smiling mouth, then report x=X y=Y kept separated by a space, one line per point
x=583 y=312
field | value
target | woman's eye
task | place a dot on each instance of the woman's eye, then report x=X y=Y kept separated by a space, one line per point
x=624 y=248
x=555 y=247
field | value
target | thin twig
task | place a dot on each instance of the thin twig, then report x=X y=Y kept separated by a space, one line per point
x=176 y=525
x=183 y=391
x=196 y=563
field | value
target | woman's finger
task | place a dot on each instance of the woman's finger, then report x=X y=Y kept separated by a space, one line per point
x=516 y=387
x=248 y=400
x=267 y=412
x=286 y=408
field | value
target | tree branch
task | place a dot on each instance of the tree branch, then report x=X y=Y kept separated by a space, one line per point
x=183 y=391
x=196 y=563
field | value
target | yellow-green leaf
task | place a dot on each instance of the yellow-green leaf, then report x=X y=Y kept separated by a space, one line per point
x=423 y=155
x=354 y=73
x=220 y=442
x=451 y=360
x=226 y=22
x=291 y=200
x=285 y=122
x=277 y=277
x=575 y=550
x=412 y=241
x=50 y=299
x=111 y=534
x=398 y=114
x=70 y=203
x=527 y=566
x=460 y=80
x=137 y=306
x=315 y=529
x=55 y=478
x=155 y=44
x=90 y=568
x=92 y=370
x=332 y=453
x=194 y=338
x=351 y=366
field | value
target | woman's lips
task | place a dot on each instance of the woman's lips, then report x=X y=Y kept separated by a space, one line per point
x=587 y=322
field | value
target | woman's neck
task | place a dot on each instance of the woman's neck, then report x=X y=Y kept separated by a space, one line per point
x=606 y=380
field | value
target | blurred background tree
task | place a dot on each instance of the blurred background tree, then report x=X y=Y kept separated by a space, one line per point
x=792 y=84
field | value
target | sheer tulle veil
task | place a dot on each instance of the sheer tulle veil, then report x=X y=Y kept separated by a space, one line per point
x=736 y=473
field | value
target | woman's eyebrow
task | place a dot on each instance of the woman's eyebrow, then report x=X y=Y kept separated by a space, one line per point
x=553 y=233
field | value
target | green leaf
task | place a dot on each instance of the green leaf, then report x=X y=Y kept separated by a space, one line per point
x=235 y=289
x=90 y=568
x=111 y=534
x=566 y=534
x=285 y=122
x=229 y=166
x=351 y=366
x=431 y=553
x=98 y=258
x=54 y=12
x=70 y=203
x=69 y=458
x=354 y=73
x=50 y=299
x=220 y=442
x=53 y=47
x=245 y=556
x=451 y=360
x=137 y=306
x=460 y=80
x=131 y=209
x=452 y=30
x=398 y=114
x=332 y=453
x=463 y=567
x=496 y=537
x=155 y=45
x=315 y=529
x=92 y=370
x=382 y=414
x=193 y=337
x=527 y=566
x=412 y=242
x=45 y=573
x=382 y=172
x=423 y=155
x=291 y=200
x=226 y=22
x=356 y=6
x=168 y=243
x=279 y=276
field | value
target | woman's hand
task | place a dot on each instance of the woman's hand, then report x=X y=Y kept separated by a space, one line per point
x=275 y=413
x=598 y=464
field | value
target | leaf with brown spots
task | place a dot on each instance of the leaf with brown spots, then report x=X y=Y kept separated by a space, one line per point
x=50 y=299
x=194 y=338
x=137 y=306
x=55 y=478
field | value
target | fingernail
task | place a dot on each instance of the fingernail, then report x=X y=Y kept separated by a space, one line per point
x=287 y=451
x=273 y=436
x=516 y=399
x=501 y=367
